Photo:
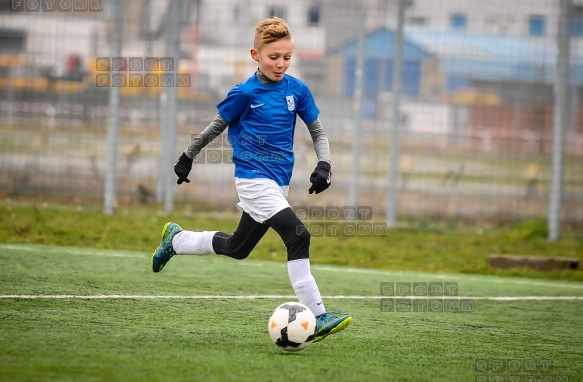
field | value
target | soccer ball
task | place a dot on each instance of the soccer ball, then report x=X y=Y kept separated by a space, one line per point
x=292 y=326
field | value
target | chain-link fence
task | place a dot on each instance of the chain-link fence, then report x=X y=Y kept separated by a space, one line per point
x=477 y=101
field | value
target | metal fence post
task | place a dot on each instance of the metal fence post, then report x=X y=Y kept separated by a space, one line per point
x=560 y=120
x=113 y=125
x=168 y=128
x=391 y=214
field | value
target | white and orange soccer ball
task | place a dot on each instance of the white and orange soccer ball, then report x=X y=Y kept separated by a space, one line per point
x=292 y=326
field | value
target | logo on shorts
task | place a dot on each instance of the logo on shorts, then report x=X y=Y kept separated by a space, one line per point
x=291 y=105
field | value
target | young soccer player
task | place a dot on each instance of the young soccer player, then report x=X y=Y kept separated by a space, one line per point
x=261 y=116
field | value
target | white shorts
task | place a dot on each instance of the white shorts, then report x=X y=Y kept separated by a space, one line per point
x=261 y=198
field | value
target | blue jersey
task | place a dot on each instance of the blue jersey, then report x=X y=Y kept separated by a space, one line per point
x=262 y=120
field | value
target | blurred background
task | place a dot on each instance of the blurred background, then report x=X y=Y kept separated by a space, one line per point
x=484 y=123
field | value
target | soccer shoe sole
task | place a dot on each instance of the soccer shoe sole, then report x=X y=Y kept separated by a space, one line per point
x=153 y=254
x=340 y=327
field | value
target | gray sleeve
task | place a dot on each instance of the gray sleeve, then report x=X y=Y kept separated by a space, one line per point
x=320 y=140
x=198 y=142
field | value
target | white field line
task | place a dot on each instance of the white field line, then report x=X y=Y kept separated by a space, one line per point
x=279 y=297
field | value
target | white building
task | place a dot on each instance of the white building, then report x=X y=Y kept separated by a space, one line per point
x=519 y=18
x=217 y=35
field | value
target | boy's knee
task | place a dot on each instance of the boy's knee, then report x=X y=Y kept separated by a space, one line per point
x=228 y=247
x=236 y=254
x=298 y=244
x=239 y=255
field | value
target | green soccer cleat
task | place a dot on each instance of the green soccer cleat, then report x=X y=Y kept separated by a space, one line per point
x=165 y=251
x=330 y=323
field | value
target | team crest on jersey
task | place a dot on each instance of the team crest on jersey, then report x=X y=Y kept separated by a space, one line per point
x=291 y=104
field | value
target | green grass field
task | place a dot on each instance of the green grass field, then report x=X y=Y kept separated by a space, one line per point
x=421 y=246
x=83 y=314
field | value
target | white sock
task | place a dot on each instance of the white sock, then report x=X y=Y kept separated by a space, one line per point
x=305 y=286
x=193 y=243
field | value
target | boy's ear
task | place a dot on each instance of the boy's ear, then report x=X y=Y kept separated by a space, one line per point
x=254 y=54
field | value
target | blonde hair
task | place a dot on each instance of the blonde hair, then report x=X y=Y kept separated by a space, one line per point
x=270 y=30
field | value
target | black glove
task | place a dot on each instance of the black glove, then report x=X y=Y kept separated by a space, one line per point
x=182 y=168
x=320 y=178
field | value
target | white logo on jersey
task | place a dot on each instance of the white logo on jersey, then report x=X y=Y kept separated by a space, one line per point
x=254 y=106
x=291 y=105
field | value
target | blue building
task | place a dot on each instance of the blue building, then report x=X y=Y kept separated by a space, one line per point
x=466 y=56
x=459 y=59
x=378 y=65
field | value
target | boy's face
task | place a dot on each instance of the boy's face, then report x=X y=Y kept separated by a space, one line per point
x=274 y=58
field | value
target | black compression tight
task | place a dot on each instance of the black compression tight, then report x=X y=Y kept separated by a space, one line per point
x=248 y=233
